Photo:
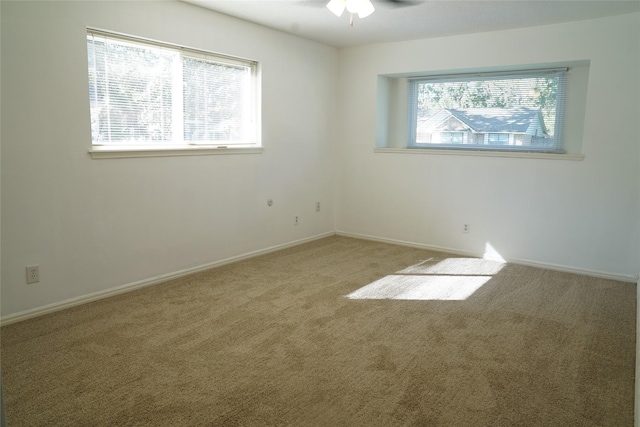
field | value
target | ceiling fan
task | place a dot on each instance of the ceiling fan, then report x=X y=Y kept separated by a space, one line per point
x=362 y=8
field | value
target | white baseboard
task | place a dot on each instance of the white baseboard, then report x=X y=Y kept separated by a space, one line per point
x=547 y=266
x=50 y=308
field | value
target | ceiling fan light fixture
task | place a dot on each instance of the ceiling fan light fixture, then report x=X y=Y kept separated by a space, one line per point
x=364 y=8
x=337 y=6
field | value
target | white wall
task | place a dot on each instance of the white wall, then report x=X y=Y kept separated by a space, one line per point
x=576 y=214
x=92 y=225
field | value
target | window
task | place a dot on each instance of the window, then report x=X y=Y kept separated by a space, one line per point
x=147 y=94
x=452 y=137
x=508 y=111
x=498 y=139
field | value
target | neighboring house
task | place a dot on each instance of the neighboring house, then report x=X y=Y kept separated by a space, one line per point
x=483 y=126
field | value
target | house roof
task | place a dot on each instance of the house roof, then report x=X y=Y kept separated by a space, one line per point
x=483 y=120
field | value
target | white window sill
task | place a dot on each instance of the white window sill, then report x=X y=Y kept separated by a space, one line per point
x=519 y=154
x=104 y=152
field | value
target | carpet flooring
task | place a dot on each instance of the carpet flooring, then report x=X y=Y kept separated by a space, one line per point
x=336 y=332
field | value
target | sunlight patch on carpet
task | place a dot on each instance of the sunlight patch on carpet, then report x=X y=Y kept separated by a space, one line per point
x=455 y=267
x=411 y=287
x=450 y=279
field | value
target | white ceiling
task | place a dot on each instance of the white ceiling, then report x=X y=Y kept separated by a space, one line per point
x=423 y=19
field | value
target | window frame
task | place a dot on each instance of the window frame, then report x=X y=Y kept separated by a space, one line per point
x=412 y=110
x=179 y=146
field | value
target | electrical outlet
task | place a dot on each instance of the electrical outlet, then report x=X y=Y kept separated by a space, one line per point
x=465 y=228
x=33 y=274
x=317 y=207
x=296 y=220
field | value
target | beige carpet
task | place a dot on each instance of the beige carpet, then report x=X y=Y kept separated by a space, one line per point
x=337 y=332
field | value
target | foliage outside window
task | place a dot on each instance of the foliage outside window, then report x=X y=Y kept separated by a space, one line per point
x=515 y=111
x=147 y=94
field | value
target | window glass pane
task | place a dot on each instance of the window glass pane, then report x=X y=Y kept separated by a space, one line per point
x=513 y=111
x=215 y=100
x=130 y=92
x=149 y=93
x=498 y=139
x=452 y=137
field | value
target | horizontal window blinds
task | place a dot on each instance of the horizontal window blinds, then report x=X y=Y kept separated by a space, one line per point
x=148 y=93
